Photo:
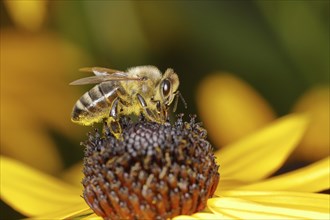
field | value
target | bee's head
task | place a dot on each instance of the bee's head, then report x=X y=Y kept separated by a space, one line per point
x=165 y=92
x=168 y=87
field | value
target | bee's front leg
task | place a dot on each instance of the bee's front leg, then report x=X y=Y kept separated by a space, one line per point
x=149 y=114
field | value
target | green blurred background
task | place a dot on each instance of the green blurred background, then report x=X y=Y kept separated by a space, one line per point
x=281 y=48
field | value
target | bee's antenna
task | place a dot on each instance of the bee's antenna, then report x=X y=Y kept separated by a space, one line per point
x=183 y=101
x=177 y=95
x=176 y=102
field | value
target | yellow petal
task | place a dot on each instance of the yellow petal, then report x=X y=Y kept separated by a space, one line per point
x=298 y=200
x=230 y=109
x=92 y=217
x=206 y=215
x=74 y=211
x=227 y=184
x=27 y=14
x=312 y=178
x=185 y=217
x=34 y=193
x=246 y=209
x=263 y=152
x=315 y=143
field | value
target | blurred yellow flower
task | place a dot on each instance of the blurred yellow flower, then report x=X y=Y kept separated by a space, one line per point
x=29 y=15
x=230 y=108
x=315 y=144
x=35 y=95
x=243 y=192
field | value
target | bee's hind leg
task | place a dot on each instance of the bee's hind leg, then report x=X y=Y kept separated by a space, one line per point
x=113 y=120
x=114 y=127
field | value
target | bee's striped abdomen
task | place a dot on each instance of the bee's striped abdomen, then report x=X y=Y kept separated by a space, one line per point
x=109 y=91
x=79 y=110
x=98 y=97
x=95 y=104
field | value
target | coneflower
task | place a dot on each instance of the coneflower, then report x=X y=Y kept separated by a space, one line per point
x=154 y=171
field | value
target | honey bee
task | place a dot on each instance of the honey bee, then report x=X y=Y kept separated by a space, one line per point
x=139 y=90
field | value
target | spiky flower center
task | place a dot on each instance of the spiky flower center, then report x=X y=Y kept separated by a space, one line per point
x=154 y=171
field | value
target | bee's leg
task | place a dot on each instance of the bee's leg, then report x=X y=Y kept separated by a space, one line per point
x=177 y=95
x=161 y=111
x=149 y=114
x=113 y=120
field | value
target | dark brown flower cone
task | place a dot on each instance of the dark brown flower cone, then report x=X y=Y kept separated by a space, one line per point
x=153 y=172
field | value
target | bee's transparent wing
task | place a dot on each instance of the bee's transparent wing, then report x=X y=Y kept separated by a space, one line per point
x=99 y=71
x=103 y=78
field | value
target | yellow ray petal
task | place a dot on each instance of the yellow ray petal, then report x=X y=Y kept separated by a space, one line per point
x=230 y=108
x=312 y=178
x=207 y=215
x=263 y=152
x=185 y=217
x=246 y=209
x=71 y=212
x=315 y=143
x=298 y=200
x=34 y=193
x=92 y=217
x=227 y=184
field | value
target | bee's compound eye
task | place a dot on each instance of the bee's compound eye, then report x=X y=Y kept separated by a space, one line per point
x=166 y=87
